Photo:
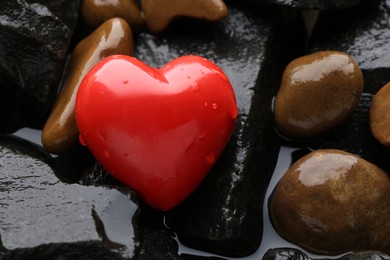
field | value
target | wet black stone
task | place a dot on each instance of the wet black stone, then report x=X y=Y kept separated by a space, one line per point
x=156 y=241
x=364 y=33
x=311 y=4
x=295 y=254
x=33 y=48
x=285 y=254
x=44 y=218
x=224 y=215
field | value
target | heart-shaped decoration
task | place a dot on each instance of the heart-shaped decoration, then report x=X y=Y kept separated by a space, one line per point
x=159 y=131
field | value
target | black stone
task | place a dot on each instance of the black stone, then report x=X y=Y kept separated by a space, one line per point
x=285 y=254
x=295 y=254
x=363 y=32
x=310 y=4
x=33 y=47
x=44 y=218
x=224 y=215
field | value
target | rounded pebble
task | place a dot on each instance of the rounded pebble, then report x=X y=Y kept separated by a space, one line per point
x=380 y=115
x=96 y=12
x=318 y=92
x=112 y=37
x=160 y=13
x=332 y=202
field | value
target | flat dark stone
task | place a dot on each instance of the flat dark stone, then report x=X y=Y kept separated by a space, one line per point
x=224 y=215
x=362 y=32
x=156 y=241
x=311 y=4
x=44 y=218
x=291 y=253
x=33 y=47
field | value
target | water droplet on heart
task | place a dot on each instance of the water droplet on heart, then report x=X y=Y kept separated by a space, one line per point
x=107 y=155
x=82 y=141
x=125 y=154
x=210 y=159
x=222 y=132
x=202 y=135
x=195 y=87
x=234 y=114
x=205 y=104
x=215 y=106
x=125 y=81
x=188 y=77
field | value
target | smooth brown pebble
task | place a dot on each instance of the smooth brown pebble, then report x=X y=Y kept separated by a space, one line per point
x=317 y=92
x=160 y=13
x=331 y=202
x=96 y=12
x=380 y=115
x=112 y=37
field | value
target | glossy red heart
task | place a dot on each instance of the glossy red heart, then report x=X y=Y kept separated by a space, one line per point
x=159 y=131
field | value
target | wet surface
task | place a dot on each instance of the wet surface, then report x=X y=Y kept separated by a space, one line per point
x=38 y=210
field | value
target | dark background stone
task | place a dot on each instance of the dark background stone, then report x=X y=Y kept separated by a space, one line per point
x=224 y=214
x=44 y=218
x=33 y=48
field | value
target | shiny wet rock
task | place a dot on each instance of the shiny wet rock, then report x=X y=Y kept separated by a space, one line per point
x=44 y=218
x=318 y=91
x=96 y=12
x=380 y=115
x=34 y=40
x=219 y=217
x=331 y=202
x=114 y=36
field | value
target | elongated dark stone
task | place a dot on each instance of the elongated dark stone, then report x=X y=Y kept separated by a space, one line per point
x=224 y=215
x=33 y=47
x=44 y=218
x=362 y=32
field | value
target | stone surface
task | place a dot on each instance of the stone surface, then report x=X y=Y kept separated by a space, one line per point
x=112 y=37
x=363 y=33
x=155 y=240
x=160 y=13
x=332 y=202
x=380 y=115
x=318 y=91
x=33 y=48
x=96 y=12
x=219 y=216
x=311 y=4
x=44 y=218
x=291 y=253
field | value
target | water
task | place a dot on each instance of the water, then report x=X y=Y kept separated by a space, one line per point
x=270 y=237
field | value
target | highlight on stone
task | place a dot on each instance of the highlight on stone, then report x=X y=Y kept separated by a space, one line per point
x=318 y=92
x=332 y=202
x=160 y=13
x=112 y=37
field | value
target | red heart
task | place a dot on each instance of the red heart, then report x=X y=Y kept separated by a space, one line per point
x=158 y=131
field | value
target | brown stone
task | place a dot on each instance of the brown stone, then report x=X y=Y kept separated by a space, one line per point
x=332 y=202
x=380 y=115
x=318 y=92
x=160 y=13
x=96 y=12
x=112 y=37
